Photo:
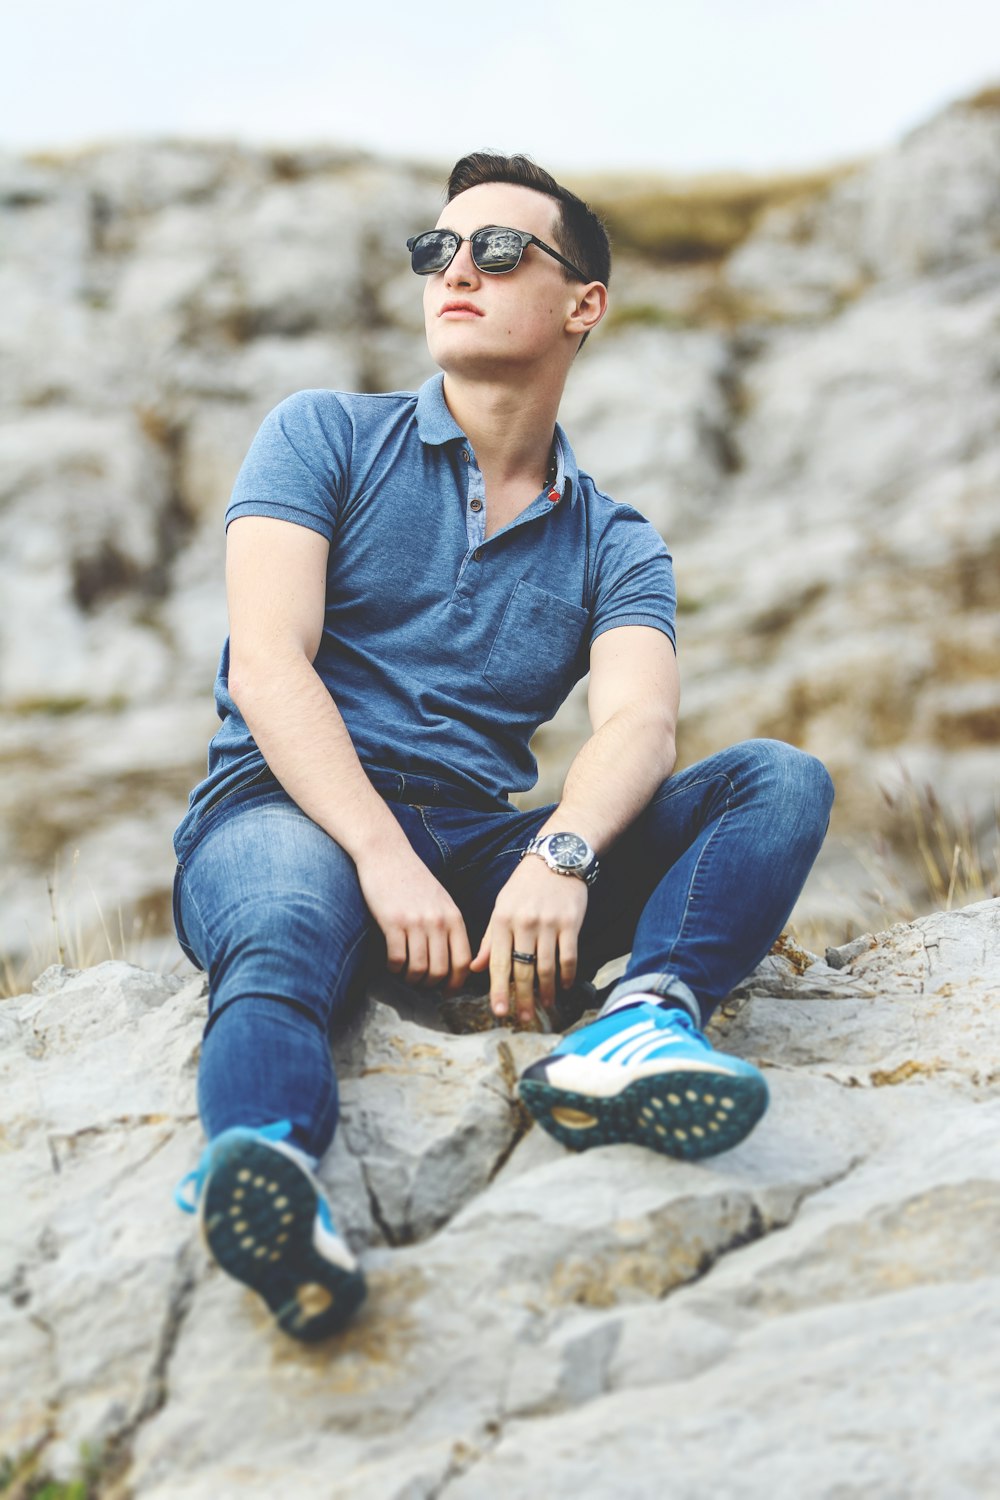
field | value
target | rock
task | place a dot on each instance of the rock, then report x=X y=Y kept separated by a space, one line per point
x=801 y=1315
x=664 y=440
x=430 y=1119
x=918 y=977
x=906 y=215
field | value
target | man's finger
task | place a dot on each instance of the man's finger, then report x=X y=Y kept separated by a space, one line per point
x=461 y=956
x=438 y=957
x=395 y=949
x=482 y=958
x=524 y=976
x=545 y=968
x=500 y=972
x=568 y=958
x=416 y=945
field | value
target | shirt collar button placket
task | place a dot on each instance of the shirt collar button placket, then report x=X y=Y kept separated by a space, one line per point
x=475 y=520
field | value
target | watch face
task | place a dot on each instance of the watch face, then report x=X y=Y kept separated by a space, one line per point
x=569 y=850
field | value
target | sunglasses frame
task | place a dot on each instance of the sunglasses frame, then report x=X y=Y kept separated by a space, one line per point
x=525 y=238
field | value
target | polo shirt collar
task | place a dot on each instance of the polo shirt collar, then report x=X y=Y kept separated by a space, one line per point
x=436 y=425
x=567 y=473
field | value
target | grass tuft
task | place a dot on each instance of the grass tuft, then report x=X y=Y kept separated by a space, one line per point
x=73 y=941
x=926 y=858
x=644 y=315
x=696 y=220
x=23 y=1478
x=954 y=868
x=987 y=98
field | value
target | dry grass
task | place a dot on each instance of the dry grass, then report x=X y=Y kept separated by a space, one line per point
x=925 y=858
x=956 y=868
x=72 y=939
x=697 y=220
x=987 y=98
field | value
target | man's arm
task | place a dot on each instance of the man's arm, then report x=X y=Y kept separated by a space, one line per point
x=633 y=700
x=276 y=588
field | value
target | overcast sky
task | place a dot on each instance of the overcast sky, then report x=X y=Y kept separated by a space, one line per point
x=679 y=86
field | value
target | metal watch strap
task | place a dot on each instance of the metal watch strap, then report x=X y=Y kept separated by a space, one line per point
x=588 y=875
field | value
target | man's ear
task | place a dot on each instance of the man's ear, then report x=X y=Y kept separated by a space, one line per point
x=589 y=308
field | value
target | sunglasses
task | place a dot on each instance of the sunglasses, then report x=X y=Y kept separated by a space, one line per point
x=495 y=250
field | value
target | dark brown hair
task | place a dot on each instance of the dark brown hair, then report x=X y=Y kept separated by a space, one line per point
x=581 y=236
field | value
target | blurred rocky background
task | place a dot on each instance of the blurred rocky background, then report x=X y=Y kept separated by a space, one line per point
x=799 y=383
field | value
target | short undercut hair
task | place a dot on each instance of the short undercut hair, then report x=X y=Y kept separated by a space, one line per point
x=580 y=235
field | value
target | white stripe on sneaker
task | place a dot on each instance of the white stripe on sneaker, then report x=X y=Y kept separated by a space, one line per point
x=605 y=1049
x=647 y=1049
x=652 y=1037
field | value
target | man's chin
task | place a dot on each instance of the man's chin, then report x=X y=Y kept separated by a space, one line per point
x=479 y=364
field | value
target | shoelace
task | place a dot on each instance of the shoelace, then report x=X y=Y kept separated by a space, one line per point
x=276 y=1132
x=678 y=1017
x=675 y=1017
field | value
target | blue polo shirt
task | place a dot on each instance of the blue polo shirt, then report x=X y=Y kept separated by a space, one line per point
x=443 y=649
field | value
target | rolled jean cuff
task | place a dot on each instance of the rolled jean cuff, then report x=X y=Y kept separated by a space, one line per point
x=665 y=986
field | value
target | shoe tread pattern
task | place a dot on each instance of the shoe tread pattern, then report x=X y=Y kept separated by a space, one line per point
x=656 y=1111
x=259 y=1213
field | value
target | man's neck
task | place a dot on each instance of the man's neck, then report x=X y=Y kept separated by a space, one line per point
x=509 y=428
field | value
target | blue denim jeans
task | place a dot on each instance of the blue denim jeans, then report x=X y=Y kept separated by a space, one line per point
x=269 y=905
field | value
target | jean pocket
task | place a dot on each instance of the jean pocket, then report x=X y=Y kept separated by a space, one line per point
x=531 y=663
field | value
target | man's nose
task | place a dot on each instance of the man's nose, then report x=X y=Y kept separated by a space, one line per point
x=463 y=270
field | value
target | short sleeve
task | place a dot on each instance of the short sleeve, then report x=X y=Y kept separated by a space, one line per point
x=634 y=577
x=298 y=465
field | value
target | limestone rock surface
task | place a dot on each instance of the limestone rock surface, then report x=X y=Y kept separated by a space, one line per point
x=816 y=1312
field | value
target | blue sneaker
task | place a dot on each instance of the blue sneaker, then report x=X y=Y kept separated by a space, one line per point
x=266 y=1222
x=648 y=1076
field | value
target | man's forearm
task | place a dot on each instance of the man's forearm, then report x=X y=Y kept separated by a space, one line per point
x=614 y=775
x=302 y=736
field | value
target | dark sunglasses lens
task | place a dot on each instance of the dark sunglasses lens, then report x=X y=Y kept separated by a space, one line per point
x=432 y=251
x=496 y=249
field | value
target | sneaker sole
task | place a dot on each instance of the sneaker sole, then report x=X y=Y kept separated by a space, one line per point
x=259 y=1212
x=679 y=1113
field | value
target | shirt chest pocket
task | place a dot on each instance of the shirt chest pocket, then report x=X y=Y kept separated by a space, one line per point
x=533 y=654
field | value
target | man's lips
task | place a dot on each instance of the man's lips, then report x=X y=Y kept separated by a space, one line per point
x=461 y=307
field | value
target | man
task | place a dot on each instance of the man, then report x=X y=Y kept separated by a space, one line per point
x=415 y=582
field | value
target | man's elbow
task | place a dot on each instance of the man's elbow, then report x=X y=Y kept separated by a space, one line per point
x=668 y=749
x=654 y=725
x=241 y=683
x=254 y=672
x=658 y=725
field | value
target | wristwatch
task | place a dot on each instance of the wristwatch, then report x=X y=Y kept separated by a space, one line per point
x=567 y=854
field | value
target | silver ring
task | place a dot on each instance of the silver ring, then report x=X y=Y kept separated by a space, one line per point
x=523 y=958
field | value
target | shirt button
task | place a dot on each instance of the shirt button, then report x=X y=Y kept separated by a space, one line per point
x=478 y=554
x=465 y=454
x=475 y=505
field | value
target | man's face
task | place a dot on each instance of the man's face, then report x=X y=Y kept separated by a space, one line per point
x=477 y=323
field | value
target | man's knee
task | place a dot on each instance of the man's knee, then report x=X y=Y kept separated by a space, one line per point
x=796 y=772
x=296 y=950
x=793 y=783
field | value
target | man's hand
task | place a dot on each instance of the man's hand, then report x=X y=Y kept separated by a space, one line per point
x=425 y=937
x=538 y=911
